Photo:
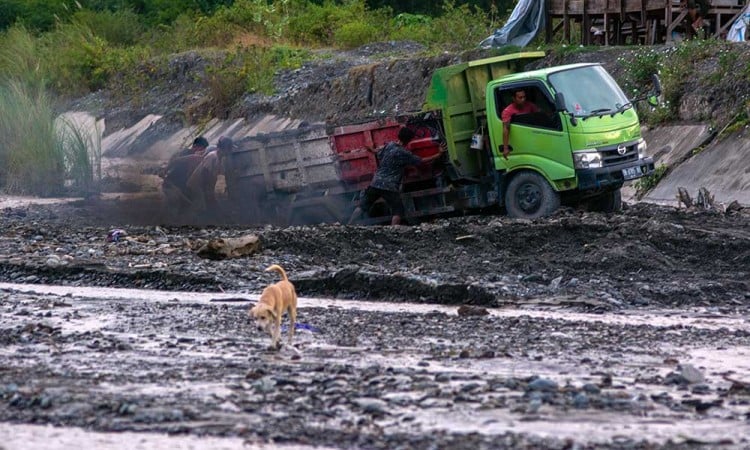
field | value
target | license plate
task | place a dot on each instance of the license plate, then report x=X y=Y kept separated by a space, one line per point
x=631 y=172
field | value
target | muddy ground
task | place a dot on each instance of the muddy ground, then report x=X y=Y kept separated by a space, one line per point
x=605 y=331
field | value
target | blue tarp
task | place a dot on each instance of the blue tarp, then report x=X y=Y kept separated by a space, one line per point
x=738 y=31
x=524 y=23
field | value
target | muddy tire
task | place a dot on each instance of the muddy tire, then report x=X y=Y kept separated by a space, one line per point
x=607 y=203
x=529 y=196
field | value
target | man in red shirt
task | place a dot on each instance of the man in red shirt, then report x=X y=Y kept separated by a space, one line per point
x=518 y=106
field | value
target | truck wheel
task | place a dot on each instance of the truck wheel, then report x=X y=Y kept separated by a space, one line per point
x=529 y=196
x=607 y=203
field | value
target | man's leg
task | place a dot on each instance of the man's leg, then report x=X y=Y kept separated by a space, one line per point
x=367 y=198
x=355 y=215
x=393 y=199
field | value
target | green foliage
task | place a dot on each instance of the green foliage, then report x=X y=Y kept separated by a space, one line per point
x=247 y=70
x=43 y=15
x=355 y=34
x=73 y=54
x=317 y=24
x=119 y=28
x=460 y=27
x=644 y=184
x=258 y=16
x=19 y=58
x=412 y=28
x=128 y=70
x=31 y=159
x=82 y=152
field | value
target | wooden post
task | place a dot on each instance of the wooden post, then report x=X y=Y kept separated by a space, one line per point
x=566 y=22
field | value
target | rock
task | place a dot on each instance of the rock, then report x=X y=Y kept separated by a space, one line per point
x=372 y=405
x=581 y=401
x=690 y=374
x=469 y=310
x=230 y=247
x=542 y=384
x=591 y=388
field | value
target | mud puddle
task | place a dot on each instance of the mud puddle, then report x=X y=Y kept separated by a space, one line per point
x=706 y=318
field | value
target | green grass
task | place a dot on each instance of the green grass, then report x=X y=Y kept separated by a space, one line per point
x=41 y=155
x=32 y=159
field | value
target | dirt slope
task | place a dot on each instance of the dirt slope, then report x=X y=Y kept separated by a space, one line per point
x=381 y=78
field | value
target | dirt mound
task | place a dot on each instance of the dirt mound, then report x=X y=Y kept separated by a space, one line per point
x=647 y=256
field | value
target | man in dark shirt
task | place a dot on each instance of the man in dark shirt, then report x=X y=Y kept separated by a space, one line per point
x=200 y=144
x=386 y=184
x=174 y=186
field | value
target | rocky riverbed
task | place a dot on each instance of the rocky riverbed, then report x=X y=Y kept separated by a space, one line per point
x=577 y=331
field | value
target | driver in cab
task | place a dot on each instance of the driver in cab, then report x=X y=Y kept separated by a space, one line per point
x=519 y=105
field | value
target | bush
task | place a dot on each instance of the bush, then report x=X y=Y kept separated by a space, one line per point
x=317 y=24
x=73 y=54
x=461 y=27
x=119 y=28
x=355 y=34
x=412 y=27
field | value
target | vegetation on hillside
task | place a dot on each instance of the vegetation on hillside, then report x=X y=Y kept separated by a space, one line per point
x=53 y=48
x=67 y=48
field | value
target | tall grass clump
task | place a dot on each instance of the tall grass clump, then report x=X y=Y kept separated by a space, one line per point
x=81 y=146
x=31 y=157
x=19 y=58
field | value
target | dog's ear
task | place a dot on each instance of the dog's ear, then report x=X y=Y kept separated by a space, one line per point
x=273 y=314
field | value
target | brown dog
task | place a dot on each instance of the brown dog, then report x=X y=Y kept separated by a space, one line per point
x=274 y=301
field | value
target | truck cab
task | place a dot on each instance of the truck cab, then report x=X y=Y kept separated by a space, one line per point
x=584 y=140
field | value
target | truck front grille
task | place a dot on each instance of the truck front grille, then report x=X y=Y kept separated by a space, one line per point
x=611 y=155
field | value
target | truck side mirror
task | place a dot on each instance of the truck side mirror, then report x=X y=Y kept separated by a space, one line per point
x=653 y=96
x=657 y=86
x=560 y=107
x=560 y=102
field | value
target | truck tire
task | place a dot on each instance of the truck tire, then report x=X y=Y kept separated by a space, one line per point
x=607 y=203
x=529 y=196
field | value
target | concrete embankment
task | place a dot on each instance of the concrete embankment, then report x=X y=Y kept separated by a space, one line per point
x=694 y=156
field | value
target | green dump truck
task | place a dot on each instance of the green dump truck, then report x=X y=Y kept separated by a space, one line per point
x=579 y=145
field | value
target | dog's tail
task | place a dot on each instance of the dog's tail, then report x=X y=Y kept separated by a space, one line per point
x=277 y=268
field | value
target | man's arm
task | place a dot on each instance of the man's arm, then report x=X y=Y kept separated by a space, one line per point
x=505 y=116
x=506 y=137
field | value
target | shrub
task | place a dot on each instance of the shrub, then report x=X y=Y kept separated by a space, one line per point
x=354 y=34
x=412 y=27
x=119 y=28
x=317 y=24
x=73 y=53
x=461 y=27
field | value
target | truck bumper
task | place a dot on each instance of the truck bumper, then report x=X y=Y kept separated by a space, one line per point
x=612 y=177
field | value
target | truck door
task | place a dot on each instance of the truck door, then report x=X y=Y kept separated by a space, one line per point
x=538 y=138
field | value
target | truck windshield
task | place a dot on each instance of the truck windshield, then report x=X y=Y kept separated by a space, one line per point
x=589 y=91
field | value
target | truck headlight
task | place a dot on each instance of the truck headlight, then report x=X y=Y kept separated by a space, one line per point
x=642 y=147
x=587 y=159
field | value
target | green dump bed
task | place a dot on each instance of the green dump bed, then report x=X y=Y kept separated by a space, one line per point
x=458 y=91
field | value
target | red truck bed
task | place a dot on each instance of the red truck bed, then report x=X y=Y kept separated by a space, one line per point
x=357 y=163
